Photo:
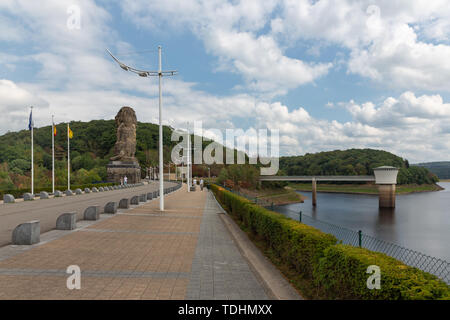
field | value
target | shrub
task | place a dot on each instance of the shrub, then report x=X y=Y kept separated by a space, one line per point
x=342 y=274
x=297 y=244
x=337 y=271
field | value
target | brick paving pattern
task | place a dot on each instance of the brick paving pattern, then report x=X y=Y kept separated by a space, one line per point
x=184 y=253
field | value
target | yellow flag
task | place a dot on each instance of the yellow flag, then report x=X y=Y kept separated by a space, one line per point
x=69 y=132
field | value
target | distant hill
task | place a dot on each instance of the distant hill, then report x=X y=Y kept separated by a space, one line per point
x=440 y=169
x=90 y=150
x=355 y=162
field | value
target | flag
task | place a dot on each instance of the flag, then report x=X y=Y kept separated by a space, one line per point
x=30 y=122
x=69 y=132
x=54 y=130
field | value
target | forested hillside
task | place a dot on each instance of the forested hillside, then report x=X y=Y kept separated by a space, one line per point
x=90 y=149
x=355 y=162
x=441 y=169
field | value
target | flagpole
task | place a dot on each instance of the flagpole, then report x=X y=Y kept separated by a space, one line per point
x=68 y=158
x=53 y=155
x=32 y=154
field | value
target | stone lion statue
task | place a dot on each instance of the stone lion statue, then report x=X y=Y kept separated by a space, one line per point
x=125 y=146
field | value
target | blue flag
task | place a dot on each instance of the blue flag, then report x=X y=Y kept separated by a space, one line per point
x=30 y=123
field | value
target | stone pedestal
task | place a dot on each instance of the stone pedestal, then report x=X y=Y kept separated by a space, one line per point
x=119 y=169
x=386 y=195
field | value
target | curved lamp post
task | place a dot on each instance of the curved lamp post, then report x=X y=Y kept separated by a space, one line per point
x=159 y=74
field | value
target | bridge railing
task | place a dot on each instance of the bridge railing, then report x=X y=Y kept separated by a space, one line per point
x=438 y=267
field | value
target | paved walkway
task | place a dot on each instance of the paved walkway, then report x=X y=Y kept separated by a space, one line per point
x=141 y=253
x=48 y=210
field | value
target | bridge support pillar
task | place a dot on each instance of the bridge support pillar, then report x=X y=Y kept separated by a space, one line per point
x=314 y=192
x=386 y=195
x=386 y=179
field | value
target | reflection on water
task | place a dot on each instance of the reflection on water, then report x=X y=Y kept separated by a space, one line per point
x=420 y=221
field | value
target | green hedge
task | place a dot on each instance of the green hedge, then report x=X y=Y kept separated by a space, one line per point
x=299 y=245
x=18 y=193
x=337 y=271
x=342 y=273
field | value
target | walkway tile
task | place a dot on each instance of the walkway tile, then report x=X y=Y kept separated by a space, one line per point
x=183 y=253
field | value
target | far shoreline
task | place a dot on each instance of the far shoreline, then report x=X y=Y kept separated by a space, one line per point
x=324 y=188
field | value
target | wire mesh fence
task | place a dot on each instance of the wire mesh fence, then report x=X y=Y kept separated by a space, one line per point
x=438 y=267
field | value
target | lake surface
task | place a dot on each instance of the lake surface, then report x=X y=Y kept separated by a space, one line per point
x=420 y=221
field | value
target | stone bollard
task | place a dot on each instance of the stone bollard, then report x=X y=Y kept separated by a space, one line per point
x=134 y=200
x=87 y=190
x=111 y=207
x=124 y=203
x=28 y=196
x=143 y=197
x=78 y=191
x=101 y=189
x=8 y=198
x=94 y=189
x=92 y=213
x=27 y=233
x=150 y=196
x=67 y=221
x=58 y=194
x=43 y=195
x=69 y=193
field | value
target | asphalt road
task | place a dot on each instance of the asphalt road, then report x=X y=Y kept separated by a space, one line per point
x=48 y=210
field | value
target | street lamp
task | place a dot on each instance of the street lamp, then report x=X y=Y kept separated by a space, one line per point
x=159 y=74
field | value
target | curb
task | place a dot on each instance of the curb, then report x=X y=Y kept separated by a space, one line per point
x=277 y=287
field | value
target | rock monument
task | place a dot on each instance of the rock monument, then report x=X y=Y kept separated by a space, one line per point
x=124 y=163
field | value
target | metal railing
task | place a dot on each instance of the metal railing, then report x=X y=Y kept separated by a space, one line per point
x=438 y=267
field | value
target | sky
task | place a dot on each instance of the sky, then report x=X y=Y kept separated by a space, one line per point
x=327 y=74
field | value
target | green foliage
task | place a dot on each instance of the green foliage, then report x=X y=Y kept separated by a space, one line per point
x=20 y=166
x=440 y=169
x=354 y=162
x=245 y=176
x=342 y=274
x=337 y=271
x=90 y=149
x=298 y=245
x=223 y=176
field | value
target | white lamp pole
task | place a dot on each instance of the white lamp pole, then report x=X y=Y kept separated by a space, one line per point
x=188 y=158
x=160 y=73
x=161 y=166
x=68 y=158
x=32 y=153
x=53 y=155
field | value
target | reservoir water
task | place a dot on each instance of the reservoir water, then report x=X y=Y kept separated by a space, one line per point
x=420 y=221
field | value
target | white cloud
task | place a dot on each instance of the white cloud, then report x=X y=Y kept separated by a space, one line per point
x=234 y=33
x=76 y=80
x=383 y=39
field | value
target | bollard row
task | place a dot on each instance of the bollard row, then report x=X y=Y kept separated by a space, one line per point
x=28 y=233
x=9 y=198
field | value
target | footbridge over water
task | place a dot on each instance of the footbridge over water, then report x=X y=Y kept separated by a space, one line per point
x=385 y=177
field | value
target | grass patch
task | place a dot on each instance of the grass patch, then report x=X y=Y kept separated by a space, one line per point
x=363 y=188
